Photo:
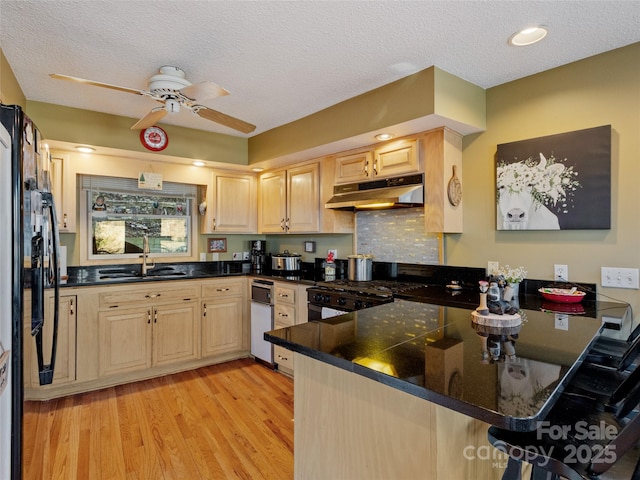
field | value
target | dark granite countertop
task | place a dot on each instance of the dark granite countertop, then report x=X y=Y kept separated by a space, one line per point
x=508 y=377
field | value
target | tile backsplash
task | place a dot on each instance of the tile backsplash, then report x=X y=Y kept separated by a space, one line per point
x=397 y=235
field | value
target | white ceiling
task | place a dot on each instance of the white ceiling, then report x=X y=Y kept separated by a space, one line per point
x=283 y=60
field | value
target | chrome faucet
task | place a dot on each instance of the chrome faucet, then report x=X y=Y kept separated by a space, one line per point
x=145 y=253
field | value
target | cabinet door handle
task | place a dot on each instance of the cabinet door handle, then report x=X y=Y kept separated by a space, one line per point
x=64 y=220
x=222 y=289
x=152 y=295
x=283 y=315
x=375 y=166
x=286 y=224
x=365 y=170
x=148 y=316
x=204 y=311
x=214 y=223
x=70 y=307
x=283 y=295
x=155 y=315
x=282 y=226
x=280 y=357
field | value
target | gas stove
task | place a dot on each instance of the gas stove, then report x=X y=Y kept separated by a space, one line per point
x=347 y=295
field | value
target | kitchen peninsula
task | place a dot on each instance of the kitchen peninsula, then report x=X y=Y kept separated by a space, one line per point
x=408 y=389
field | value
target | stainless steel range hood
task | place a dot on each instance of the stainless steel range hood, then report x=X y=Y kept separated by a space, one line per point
x=398 y=192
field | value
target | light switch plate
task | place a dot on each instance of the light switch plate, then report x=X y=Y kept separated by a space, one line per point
x=619 y=277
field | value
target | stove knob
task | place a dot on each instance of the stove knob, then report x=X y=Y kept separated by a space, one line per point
x=357 y=304
x=317 y=297
x=367 y=305
x=326 y=299
x=342 y=301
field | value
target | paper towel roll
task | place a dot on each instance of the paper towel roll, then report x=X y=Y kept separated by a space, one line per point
x=63 y=261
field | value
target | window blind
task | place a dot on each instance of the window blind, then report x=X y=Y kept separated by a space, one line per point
x=130 y=185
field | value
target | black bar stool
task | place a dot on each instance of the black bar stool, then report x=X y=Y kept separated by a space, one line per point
x=584 y=435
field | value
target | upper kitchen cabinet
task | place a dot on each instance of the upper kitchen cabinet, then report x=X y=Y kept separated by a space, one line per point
x=388 y=160
x=63 y=187
x=289 y=200
x=443 y=182
x=230 y=199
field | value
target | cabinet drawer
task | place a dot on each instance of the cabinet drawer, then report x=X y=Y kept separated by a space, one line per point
x=226 y=288
x=146 y=294
x=285 y=295
x=283 y=357
x=284 y=315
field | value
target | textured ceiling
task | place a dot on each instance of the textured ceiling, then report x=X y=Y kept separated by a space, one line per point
x=284 y=60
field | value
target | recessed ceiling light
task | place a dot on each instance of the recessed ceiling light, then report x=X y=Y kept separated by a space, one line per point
x=528 y=36
x=198 y=163
x=84 y=149
x=384 y=136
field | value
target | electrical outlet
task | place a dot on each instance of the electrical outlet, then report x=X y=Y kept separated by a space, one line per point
x=561 y=321
x=561 y=273
x=620 y=277
x=492 y=267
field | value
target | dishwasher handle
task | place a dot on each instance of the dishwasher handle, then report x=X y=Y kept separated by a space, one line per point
x=262 y=292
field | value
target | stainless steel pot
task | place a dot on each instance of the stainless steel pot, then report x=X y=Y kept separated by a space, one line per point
x=360 y=268
x=286 y=261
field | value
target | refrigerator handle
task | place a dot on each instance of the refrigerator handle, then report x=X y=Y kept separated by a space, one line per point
x=46 y=371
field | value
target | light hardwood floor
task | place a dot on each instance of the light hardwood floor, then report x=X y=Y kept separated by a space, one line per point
x=226 y=421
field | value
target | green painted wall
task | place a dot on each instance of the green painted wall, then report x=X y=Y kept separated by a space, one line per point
x=10 y=91
x=100 y=129
x=428 y=92
x=600 y=90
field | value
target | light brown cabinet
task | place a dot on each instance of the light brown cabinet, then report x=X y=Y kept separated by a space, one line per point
x=223 y=313
x=390 y=159
x=289 y=200
x=443 y=163
x=63 y=187
x=162 y=330
x=230 y=200
x=289 y=308
x=65 y=365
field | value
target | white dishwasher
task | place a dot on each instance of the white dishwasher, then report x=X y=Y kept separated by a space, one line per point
x=261 y=320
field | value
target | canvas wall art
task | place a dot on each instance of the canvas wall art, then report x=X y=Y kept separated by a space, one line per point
x=557 y=182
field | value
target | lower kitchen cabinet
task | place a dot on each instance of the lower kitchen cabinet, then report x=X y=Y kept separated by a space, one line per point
x=223 y=316
x=290 y=308
x=125 y=340
x=65 y=365
x=114 y=334
x=139 y=338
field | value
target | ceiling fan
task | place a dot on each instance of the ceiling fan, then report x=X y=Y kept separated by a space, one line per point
x=173 y=90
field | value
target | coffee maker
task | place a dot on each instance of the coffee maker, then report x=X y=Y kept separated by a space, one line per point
x=258 y=255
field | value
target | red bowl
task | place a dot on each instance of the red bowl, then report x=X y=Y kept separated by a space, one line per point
x=560 y=295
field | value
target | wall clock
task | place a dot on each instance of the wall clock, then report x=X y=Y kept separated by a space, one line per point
x=154 y=138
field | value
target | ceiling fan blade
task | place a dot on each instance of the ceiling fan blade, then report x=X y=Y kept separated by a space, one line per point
x=150 y=118
x=95 y=84
x=203 y=91
x=224 y=119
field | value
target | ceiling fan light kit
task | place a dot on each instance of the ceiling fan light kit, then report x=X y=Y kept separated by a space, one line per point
x=173 y=90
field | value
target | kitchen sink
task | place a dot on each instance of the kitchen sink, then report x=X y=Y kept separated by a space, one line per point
x=123 y=273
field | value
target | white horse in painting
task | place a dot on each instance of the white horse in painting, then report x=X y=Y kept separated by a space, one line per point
x=518 y=207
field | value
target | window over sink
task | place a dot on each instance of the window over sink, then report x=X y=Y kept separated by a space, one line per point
x=119 y=215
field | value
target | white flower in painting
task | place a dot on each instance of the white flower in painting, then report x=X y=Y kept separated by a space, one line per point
x=548 y=182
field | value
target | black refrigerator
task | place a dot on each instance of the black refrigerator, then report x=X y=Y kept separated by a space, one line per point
x=29 y=246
